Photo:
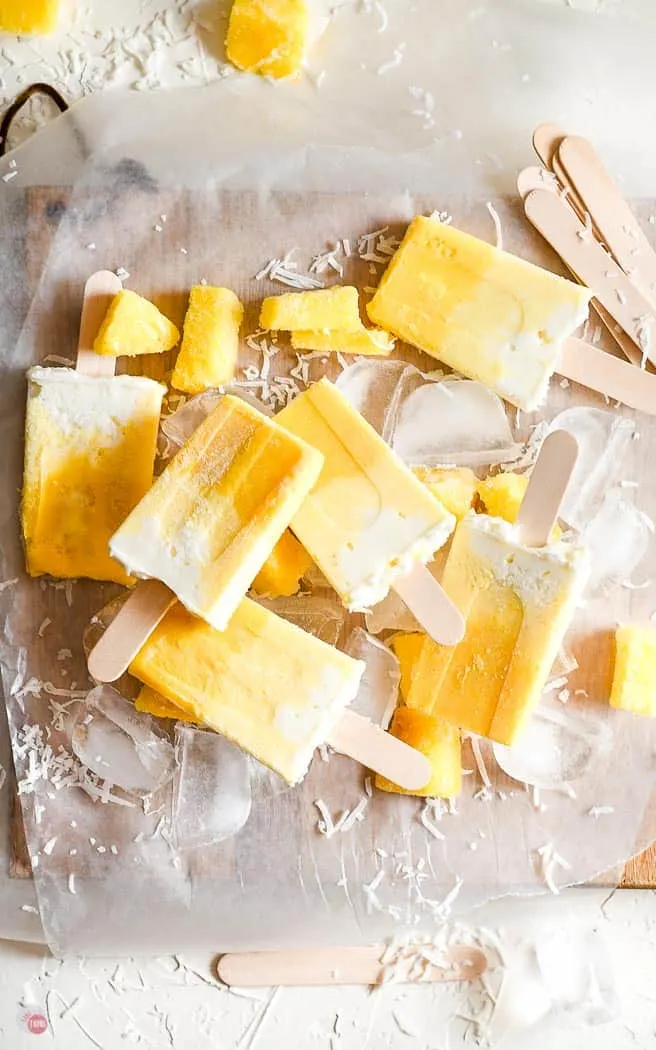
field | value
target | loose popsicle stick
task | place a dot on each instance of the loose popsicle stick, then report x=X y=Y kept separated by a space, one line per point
x=431 y=606
x=600 y=371
x=135 y=622
x=99 y=291
x=372 y=747
x=534 y=178
x=594 y=267
x=548 y=483
x=546 y=139
x=334 y=966
x=610 y=213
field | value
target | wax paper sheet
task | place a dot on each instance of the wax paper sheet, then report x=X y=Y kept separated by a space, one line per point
x=435 y=113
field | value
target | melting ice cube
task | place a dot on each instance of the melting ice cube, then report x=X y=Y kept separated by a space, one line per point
x=323 y=617
x=212 y=799
x=556 y=748
x=617 y=538
x=391 y=614
x=180 y=425
x=379 y=685
x=603 y=439
x=369 y=385
x=122 y=746
x=455 y=422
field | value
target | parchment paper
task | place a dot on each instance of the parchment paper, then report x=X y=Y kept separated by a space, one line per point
x=243 y=172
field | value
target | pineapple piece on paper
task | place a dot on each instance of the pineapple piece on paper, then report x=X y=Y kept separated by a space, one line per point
x=133 y=325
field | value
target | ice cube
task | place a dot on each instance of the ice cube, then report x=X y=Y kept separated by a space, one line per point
x=617 y=538
x=180 y=425
x=390 y=614
x=379 y=686
x=603 y=439
x=454 y=422
x=212 y=798
x=578 y=976
x=321 y=616
x=122 y=746
x=369 y=384
x=556 y=748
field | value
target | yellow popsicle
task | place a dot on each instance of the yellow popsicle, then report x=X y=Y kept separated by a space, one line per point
x=484 y=312
x=439 y=741
x=214 y=515
x=89 y=453
x=269 y=687
x=368 y=520
x=518 y=602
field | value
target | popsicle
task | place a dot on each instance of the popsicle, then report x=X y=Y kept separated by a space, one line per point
x=439 y=741
x=368 y=523
x=207 y=525
x=90 y=440
x=269 y=687
x=518 y=594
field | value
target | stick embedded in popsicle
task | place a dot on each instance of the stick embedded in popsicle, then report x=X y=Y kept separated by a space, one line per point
x=358 y=965
x=90 y=441
x=368 y=523
x=518 y=594
x=207 y=525
x=271 y=688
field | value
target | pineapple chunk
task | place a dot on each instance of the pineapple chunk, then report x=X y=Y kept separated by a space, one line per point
x=132 y=326
x=502 y=495
x=634 y=676
x=210 y=340
x=153 y=703
x=332 y=308
x=280 y=576
x=406 y=648
x=267 y=36
x=33 y=16
x=439 y=741
x=454 y=487
x=369 y=342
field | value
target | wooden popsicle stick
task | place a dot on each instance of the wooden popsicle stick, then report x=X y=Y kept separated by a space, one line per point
x=594 y=267
x=334 y=966
x=546 y=139
x=534 y=178
x=134 y=623
x=547 y=485
x=600 y=371
x=610 y=213
x=99 y=291
x=370 y=745
x=431 y=606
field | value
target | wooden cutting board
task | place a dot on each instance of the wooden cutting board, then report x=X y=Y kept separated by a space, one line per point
x=45 y=209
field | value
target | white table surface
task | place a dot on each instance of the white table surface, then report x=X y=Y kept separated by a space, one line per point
x=176 y=1002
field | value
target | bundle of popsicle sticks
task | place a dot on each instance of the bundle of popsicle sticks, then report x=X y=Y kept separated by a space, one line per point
x=575 y=205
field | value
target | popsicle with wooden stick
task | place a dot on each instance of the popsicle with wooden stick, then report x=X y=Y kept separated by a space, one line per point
x=518 y=591
x=271 y=688
x=90 y=440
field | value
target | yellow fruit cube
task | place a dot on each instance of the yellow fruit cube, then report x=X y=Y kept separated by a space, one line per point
x=439 y=741
x=502 y=495
x=332 y=308
x=210 y=340
x=35 y=16
x=150 y=702
x=369 y=342
x=132 y=326
x=280 y=576
x=454 y=487
x=406 y=648
x=634 y=676
x=267 y=36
